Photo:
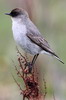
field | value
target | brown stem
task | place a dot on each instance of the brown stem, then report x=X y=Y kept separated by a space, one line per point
x=31 y=91
x=40 y=97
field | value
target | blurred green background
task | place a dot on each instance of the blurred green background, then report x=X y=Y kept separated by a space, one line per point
x=50 y=18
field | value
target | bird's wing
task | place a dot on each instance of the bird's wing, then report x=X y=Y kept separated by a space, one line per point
x=41 y=42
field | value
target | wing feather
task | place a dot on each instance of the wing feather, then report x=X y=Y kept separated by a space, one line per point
x=41 y=42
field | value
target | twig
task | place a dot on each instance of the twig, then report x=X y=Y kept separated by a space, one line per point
x=17 y=84
x=21 y=54
x=45 y=88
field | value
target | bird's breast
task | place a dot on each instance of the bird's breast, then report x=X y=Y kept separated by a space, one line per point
x=19 y=31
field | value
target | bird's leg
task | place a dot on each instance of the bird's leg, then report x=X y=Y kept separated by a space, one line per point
x=34 y=59
x=31 y=64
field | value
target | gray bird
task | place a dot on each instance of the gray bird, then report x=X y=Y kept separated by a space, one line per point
x=28 y=36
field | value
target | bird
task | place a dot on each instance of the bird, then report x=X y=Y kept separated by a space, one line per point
x=27 y=35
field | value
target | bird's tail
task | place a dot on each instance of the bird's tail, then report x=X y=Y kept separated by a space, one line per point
x=57 y=58
x=50 y=52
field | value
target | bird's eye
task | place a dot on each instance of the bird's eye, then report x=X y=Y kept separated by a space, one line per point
x=14 y=14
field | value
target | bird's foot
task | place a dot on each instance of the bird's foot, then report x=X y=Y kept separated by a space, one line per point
x=29 y=65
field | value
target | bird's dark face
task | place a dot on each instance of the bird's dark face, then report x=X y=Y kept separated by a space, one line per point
x=16 y=12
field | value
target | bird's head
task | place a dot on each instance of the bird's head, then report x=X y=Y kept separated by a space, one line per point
x=18 y=13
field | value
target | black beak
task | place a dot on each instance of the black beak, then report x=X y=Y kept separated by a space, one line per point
x=7 y=14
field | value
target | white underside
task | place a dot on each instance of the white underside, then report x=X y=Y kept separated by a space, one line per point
x=44 y=52
x=19 y=33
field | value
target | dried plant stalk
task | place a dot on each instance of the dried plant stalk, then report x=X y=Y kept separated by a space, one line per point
x=40 y=97
x=32 y=91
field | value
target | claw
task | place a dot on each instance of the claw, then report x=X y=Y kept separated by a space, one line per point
x=29 y=64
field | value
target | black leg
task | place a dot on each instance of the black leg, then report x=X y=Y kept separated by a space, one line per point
x=34 y=59
x=31 y=64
